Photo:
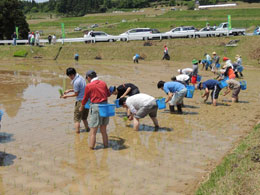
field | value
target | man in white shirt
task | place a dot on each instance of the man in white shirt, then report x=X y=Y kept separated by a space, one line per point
x=138 y=106
x=183 y=78
x=187 y=71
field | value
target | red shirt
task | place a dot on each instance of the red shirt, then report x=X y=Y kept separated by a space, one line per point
x=96 y=91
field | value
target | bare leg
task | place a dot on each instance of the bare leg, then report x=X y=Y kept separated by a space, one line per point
x=214 y=102
x=93 y=132
x=77 y=127
x=136 y=124
x=103 y=130
x=86 y=124
x=155 y=121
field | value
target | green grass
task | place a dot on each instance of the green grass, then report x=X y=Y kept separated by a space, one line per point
x=245 y=18
x=20 y=53
x=239 y=171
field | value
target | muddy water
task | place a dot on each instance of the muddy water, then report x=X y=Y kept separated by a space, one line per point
x=43 y=155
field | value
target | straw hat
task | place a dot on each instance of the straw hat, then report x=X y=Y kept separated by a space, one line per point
x=214 y=53
x=238 y=56
x=179 y=70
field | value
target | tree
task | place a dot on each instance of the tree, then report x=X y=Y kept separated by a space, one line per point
x=12 y=16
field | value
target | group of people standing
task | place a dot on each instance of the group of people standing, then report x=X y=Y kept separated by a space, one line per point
x=34 y=38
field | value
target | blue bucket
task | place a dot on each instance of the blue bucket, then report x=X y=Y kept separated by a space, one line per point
x=87 y=105
x=222 y=84
x=1 y=114
x=117 y=103
x=226 y=78
x=199 y=78
x=190 y=91
x=106 y=110
x=217 y=65
x=161 y=103
x=243 y=85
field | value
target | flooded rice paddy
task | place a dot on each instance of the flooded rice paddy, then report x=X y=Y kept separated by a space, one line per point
x=43 y=155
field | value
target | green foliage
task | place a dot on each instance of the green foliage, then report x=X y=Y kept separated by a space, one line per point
x=191 y=5
x=20 y=53
x=11 y=16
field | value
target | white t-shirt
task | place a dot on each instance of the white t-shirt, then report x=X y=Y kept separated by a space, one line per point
x=135 y=102
x=182 y=77
x=187 y=70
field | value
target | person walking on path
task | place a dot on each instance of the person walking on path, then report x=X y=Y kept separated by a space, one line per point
x=176 y=92
x=138 y=106
x=98 y=93
x=233 y=86
x=54 y=39
x=79 y=85
x=127 y=89
x=207 y=86
x=166 y=53
x=14 y=37
x=49 y=39
x=32 y=39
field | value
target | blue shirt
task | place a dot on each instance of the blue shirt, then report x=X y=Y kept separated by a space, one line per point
x=79 y=85
x=210 y=84
x=172 y=87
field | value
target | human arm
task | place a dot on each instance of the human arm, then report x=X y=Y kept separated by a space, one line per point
x=206 y=94
x=169 y=97
x=75 y=94
x=85 y=99
x=69 y=91
x=126 y=92
x=227 y=91
x=129 y=114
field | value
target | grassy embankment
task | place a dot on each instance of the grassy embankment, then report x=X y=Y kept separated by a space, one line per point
x=246 y=18
x=239 y=171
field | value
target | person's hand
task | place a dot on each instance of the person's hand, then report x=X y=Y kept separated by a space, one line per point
x=67 y=91
x=205 y=101
x=81 y=108
x=122 y=96
x=63 y=96
x=130 y=118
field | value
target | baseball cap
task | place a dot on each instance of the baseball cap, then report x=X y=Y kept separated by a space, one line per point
x=112 y=89
x=194 y=61
x=225 y=59
x=91 y=73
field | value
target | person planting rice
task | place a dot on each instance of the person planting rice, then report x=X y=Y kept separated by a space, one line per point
x=235 y=87
x=176 y=92
x=215 y=61
x=206 y=62
x=229 y=72
x=195 y=67
x=138 y=106
x=187 y=71
x=136 y=58
x=207 y=86
x=182 y=78
x=98 y=93
x=127 y=89
x=238 y=68
x=79 y=85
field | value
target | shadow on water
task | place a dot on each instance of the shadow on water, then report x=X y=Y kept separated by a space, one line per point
x=6 y=159
x=230 y=101
x=6 y=137
x=218 y=104
x=149 y=128
x=184 y=113
x=114 y=142
x=190 y=106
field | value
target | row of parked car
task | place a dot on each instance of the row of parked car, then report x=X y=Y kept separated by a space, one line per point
x=178 y=32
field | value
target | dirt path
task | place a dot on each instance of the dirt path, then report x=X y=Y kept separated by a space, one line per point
x=45 y=156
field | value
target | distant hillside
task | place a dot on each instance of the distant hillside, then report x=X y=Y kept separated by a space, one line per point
x=82 y=7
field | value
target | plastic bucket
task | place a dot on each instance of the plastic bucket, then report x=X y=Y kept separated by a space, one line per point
x=243 y=85
x=87 y=105
x=217 y=65
x=106 y=110
x=193 y=79
x=190 y=91
x=1 y=114
x=226 y=78
x=161 y=103
x=222 y=84
x=199 y=78
x=117 y=103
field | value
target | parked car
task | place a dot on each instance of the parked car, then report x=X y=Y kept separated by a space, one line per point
x=233 y=31
x=206 y=32
x=94 y=26
x=140 y=34
x=101 y=36
x=77 y=29
x=257 y=31
x=183 y=31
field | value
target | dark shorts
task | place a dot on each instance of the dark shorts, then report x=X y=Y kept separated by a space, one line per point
x=135 y=91
x=150 y=109
x=215 y=92
x=235 y=92
x=78 y=116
